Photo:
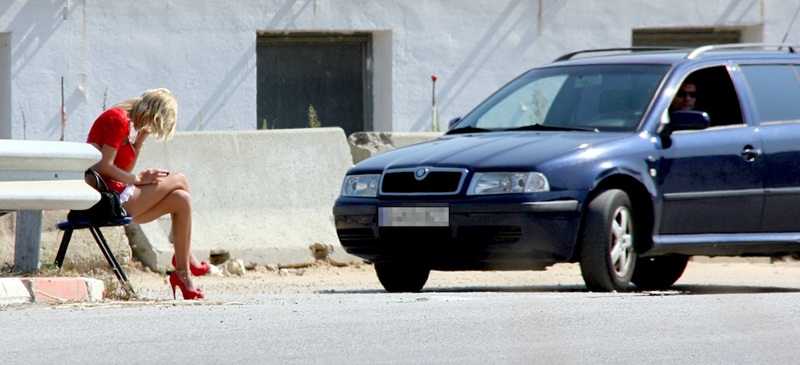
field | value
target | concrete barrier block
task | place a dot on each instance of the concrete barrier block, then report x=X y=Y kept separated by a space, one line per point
x=151 y=244
x=261 y=196
x=364 y=145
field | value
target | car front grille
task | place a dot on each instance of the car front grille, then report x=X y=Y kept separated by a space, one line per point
x=423 y=181
x=355 y=234
x=490 y=234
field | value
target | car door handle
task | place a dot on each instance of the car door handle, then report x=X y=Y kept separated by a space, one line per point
x=749 y=153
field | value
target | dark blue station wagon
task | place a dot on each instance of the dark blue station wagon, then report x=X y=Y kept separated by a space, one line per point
x=584 y=160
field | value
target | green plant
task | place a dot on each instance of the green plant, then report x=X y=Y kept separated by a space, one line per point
x=7 y=269
x=435 y=126
x=265 y=124
x=115 y=290
x=313 y=119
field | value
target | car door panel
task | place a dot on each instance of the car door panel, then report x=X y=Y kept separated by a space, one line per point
x=711 y=181
x=781 y=177
x=774 y=101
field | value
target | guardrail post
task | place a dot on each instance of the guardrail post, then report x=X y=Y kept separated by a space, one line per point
x=28 y=241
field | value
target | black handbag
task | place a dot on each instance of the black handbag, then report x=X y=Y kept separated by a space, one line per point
x=108 y=209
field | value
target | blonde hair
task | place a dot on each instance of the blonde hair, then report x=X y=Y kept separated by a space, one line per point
x=155 y=111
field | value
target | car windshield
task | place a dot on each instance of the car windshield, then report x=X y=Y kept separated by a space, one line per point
x=581 y=98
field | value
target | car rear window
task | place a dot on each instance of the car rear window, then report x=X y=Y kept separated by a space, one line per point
x=776 y=91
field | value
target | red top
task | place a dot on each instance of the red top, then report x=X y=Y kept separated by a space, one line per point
x=113 y=128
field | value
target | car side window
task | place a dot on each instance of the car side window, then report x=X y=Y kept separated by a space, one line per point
x=776 y=91
x=714 y=94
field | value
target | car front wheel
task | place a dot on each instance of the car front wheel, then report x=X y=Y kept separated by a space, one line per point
x=608 y=256
x=399 y=277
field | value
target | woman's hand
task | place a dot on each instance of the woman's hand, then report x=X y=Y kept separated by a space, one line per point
x=141 y=136
x=151 y=176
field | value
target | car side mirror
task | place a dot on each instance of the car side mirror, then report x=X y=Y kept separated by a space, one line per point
x=687 y=120
x=452 y=123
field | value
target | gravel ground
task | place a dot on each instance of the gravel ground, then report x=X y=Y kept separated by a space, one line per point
x=712 y=274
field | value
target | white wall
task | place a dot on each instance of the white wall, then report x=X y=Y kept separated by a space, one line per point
x=109 y=50
x=5 y=85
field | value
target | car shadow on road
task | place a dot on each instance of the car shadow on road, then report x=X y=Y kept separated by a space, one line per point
x=730 y=289
x=675 y=290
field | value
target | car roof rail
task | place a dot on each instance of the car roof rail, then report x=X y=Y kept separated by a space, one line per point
x=715 y=47
x=631 y=49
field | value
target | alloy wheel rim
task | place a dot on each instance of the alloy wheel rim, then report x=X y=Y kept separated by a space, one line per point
x=621 y=252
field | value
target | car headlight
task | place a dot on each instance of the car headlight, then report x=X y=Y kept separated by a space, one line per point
x=508 y=183
x=361 y=185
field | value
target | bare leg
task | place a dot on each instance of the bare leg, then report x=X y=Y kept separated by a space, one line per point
x=194 y=260
x=170 y=196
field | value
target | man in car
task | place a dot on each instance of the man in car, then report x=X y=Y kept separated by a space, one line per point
x=685 y=98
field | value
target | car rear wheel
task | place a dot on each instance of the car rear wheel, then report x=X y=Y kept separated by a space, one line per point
x=399 y=277
x=608 y=256
x=653 y=273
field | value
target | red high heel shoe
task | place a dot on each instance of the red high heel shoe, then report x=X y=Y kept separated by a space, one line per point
x=201 y=270
x=175 y=280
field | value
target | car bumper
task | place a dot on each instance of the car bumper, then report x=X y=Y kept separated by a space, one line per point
x=516 y=235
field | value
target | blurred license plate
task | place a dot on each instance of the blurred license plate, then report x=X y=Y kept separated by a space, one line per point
x=414 y=217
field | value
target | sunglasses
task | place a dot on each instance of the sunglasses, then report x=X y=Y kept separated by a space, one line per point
x=683 y=94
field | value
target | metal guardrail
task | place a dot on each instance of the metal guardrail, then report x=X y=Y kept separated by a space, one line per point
x=42 y=175
x=45 y=175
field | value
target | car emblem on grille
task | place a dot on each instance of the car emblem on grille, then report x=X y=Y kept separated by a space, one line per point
x=421 y=173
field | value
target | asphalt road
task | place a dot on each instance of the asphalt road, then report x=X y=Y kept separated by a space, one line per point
x=694 y=324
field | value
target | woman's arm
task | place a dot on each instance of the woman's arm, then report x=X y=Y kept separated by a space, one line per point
x=137 y=147
x=107 y=168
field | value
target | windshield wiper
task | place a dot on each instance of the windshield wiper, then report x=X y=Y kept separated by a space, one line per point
x=541 y=127
x=467 y=129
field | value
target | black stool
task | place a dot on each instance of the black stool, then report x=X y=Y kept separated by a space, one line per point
x=68 y=227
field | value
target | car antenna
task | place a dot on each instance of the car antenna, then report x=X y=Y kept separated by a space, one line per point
x=789 y=28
